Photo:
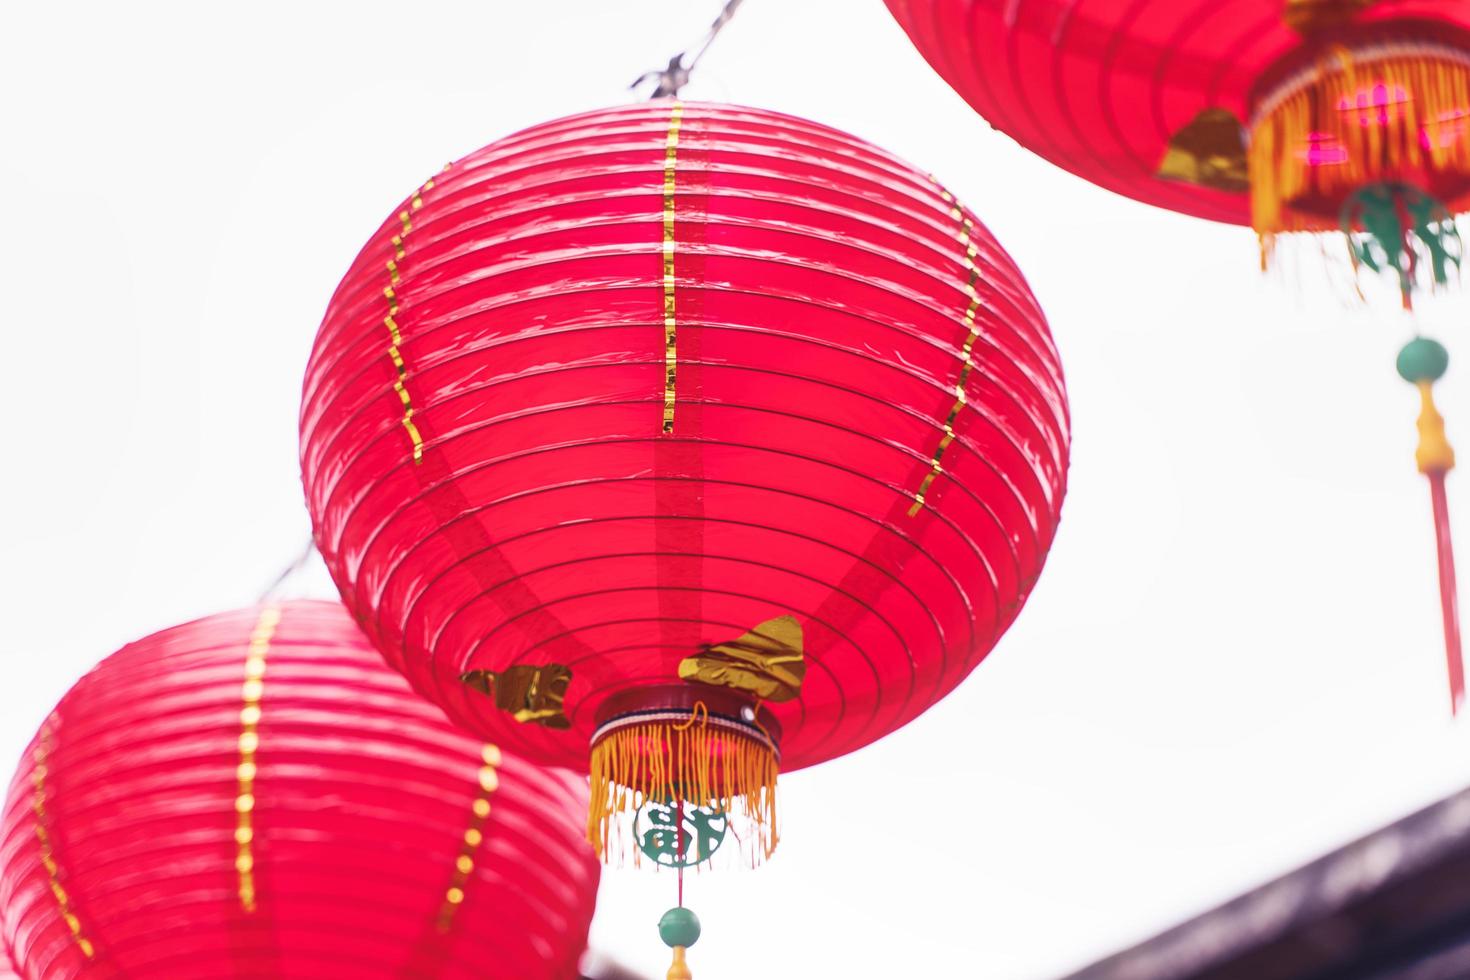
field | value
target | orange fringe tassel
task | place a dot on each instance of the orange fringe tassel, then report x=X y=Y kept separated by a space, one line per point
x=1427 y=130
x=703 y=765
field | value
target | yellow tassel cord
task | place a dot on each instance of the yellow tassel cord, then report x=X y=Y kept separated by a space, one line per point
x=1434 y=454
x=703 y=765
x=1355 y=146
x=680 y=969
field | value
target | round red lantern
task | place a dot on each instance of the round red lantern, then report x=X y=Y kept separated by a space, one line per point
x=1287 y=115
x=704 y=438
x=256 y=794
x=1257 y=112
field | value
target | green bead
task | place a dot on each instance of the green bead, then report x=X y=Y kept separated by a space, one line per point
x=1423 y=359
x=679 y=927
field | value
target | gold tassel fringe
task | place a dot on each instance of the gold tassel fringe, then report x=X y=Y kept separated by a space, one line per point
x=702 y=764
x=1430 y=130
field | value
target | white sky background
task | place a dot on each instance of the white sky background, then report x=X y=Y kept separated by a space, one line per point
x=1232 y=663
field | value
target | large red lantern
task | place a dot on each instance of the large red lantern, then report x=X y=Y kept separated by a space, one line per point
x=705 y=438
x=256 y=794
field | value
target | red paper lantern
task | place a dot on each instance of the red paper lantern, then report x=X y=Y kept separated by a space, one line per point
x=1288 y=115
x=699 y=434
x=256 y=794
x=1264 y=112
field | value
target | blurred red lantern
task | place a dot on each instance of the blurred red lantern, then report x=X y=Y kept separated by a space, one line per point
x=1258 y=112
x=1288 y=115
x=256 y=794
x=705 y=436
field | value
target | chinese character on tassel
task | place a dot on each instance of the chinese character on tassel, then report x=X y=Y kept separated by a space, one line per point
x=1421 y=363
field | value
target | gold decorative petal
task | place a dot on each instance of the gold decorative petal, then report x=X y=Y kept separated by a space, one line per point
x=1209 y=152
x=531 y=693
x=767 y=662
x=1307 y=16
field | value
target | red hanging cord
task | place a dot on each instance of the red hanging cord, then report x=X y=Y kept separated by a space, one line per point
x=1448 y=600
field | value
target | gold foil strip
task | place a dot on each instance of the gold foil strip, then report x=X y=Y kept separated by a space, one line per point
x=474 y=836
x=1309 y=16
x=46 y=845
x=767 y=661
x=1209 y=152
x=395 y=337
x=671 y=323
x=251 y=691
x=967 y=366
x=529 y=692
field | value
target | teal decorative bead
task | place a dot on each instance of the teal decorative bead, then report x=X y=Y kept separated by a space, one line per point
x=679 y=927
x=1423 y=359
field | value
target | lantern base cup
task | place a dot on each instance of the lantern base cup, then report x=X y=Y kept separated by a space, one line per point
x=705 y=747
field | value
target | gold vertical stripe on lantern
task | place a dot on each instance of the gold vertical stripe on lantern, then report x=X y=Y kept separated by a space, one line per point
x=967 y=362
x=671 y=323
x=395 y=336
x=47 y=847
x=251 y=691
x=474 y=836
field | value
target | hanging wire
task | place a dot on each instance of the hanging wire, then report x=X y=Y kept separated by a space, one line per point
x=296 y=565
x=676 y=74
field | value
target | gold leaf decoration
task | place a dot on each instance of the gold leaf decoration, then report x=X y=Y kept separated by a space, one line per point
x=1307 y=16
x=767 y=662
x=1209 y=152
x=531 y=693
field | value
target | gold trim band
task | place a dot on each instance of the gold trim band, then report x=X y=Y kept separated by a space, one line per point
x=395 y=337
x=967 y=239
x=47 y=848
x=474 y=836
x=671 y=323
x=251 y=691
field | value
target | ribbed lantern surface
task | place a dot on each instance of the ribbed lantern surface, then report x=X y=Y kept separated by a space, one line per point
x=1165 y=102
x=684 y=411
x=256 y=795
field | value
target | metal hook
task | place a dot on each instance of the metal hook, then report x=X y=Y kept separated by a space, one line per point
x=676 y=74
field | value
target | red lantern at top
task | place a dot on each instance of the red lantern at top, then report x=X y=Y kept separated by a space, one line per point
x=705 y=437
x=1288 y=115
x=256 y=795
x=1263 y=112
